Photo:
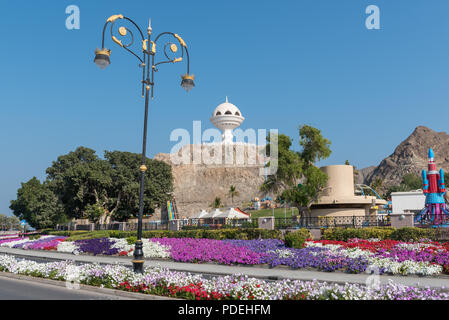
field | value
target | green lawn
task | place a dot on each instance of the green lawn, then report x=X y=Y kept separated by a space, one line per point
x=278 y=213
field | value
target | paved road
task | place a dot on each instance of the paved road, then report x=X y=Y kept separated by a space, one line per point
x=18 y=289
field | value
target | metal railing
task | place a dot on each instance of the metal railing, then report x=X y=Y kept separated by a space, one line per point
x=147 y=226
x=279 y=223
x=220 y=223
x=110 y=226
x=331 y=222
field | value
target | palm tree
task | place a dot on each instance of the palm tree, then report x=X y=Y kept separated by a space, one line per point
x=216 y=203
x=233 y=193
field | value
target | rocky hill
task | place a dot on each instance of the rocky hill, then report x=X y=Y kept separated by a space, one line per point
x=204 y=174
x=410 y=156
x=363 y=174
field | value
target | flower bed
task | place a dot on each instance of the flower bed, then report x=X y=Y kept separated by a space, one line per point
x=164 y=282
x=208 y=250
x=354 y=256
x=43 y=243
x=394 y=257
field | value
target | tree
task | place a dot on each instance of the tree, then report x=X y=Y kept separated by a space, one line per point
x=305 y=194
x=409 y=182
x=80 y=178
x=233 y=193
x=81 y=185
x=297 y=179
x=38 y=205
x=216 y=203
x=315 y=147
x=124 y=192
x=13 y=223
x=289 y=171
x=9 y=222
x=377 y=184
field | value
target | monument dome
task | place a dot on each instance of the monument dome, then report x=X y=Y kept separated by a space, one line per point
x=227 y=117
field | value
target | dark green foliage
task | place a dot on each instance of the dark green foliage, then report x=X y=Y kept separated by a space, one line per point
x=315 y=146
x=216 y=203
x=409 y=182
x=251 y=233
x=67 y=233
x=412 y=234
x=126 y=184
x=81 y=185
x=94 y=212
x=131 y=240
x=89 y=235
x=46 y=231
x=289 y=167
x=79 y=179
x=382 y=233
x=297 y=180
x=296 y=239
x=38 y=205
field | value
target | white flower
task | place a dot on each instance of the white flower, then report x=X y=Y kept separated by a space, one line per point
x=67 y=246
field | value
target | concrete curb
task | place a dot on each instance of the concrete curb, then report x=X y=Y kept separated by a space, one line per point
x=112 y=292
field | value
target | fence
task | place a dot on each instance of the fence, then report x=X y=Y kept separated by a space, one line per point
x=217 y=223
x=331 y=222
x=123 y=226
x=147 y=226
x=279 y=223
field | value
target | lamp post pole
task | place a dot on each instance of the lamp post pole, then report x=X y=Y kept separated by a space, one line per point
x=147 y=63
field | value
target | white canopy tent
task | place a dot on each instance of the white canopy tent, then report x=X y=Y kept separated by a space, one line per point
x=213 y=214
x=231 y=213
x=200 y=215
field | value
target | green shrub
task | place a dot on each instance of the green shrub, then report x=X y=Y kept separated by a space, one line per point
x=228 y=233
x=67 y=233
x=46 y=231
x=131 y=240
x=296 y=239
x=382 y=233
x=89 y=235
x=34 y=237
x=241 y=236
x=344 y=234
x=412 y=234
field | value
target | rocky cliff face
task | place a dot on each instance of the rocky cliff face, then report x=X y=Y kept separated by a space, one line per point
x=363 y=174
x=203 y=172
x=411 y=156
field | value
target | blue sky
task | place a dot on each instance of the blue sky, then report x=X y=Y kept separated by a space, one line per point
x=283 y=63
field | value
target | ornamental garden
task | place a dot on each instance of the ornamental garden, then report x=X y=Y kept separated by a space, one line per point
x=406 y=251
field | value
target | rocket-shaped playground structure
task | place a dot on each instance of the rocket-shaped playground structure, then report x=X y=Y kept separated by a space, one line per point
x=435 y=212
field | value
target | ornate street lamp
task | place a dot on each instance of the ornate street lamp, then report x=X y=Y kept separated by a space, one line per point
x=149 y=67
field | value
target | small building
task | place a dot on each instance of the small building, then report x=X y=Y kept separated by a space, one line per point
x=412 y=201
x=338 y=197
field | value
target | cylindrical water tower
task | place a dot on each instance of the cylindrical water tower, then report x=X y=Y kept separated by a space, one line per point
x=338 y=197
x=340 y=183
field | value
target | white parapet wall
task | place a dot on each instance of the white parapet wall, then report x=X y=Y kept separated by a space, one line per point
x=405 y=201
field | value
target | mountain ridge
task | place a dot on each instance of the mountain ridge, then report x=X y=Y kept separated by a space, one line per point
x=410 y=156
